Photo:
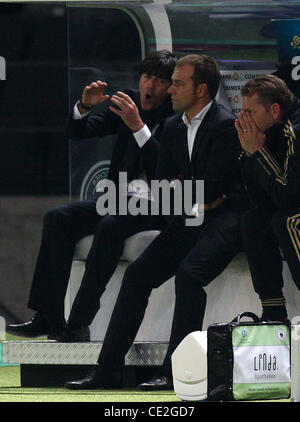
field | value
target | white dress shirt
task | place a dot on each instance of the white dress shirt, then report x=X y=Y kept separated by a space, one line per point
x=193 y=126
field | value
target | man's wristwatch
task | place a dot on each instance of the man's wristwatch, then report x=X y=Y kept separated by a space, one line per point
x=84 y=106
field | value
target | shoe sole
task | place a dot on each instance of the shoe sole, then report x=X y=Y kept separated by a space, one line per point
x=170 y=388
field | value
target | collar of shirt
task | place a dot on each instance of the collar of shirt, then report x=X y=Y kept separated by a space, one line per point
x=194 y=125
x=199 y=117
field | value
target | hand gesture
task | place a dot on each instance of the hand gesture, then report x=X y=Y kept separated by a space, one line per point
x=250 y=136
x=127 y=110
x=93 y=94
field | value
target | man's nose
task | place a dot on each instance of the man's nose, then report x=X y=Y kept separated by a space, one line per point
x=170 y=89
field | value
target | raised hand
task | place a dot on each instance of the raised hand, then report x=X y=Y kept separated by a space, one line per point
x=93 y=94
x=127 y=110
x=250 y=136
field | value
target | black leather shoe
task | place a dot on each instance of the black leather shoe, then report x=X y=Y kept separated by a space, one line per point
x=75 y=335
x=40 y=325
x=97 y=378
x=157 y=383
x=55 y=333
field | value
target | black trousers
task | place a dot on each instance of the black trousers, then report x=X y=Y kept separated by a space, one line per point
x=196 y=255
x=264 y=237
x=63 y=227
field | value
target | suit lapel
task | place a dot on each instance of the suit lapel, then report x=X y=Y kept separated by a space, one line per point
x=203 y=129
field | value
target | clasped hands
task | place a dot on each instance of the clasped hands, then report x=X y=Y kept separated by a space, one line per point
x=250 y=136
x=93 y=94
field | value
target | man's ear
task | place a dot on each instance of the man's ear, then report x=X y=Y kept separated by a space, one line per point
x=202 y=90
x=276 y=111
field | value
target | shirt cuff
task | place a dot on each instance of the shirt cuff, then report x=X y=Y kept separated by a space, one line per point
x=196 y=211
x=142 y=136
x=76 y=113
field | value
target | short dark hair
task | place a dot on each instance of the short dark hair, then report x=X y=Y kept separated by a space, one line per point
x=270 y=90
x=206 y=71
x=159 y=63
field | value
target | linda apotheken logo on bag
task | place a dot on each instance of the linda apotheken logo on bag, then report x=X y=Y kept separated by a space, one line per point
x=2 y=69
x=265 y=362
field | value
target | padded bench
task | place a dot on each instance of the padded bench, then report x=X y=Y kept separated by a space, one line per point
x=161 y=302
x=229 y=294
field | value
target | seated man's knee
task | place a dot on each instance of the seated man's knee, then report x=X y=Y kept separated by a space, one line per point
x=108 y=225
x=62 y=221
x=54 y=215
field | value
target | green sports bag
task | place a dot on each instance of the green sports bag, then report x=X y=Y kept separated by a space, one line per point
x=248 y=360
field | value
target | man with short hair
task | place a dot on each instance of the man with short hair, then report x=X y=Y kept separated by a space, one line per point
x=200 y=143
x=137 y=118
x=269 y=132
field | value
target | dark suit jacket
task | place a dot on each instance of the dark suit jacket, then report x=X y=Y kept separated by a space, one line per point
x=127 y=155
x=214 y=157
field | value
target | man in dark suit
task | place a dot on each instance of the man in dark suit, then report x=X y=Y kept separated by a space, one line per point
x=137 y=117
x=200 y=144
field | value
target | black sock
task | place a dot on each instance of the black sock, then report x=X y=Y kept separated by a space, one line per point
x=274 y=309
